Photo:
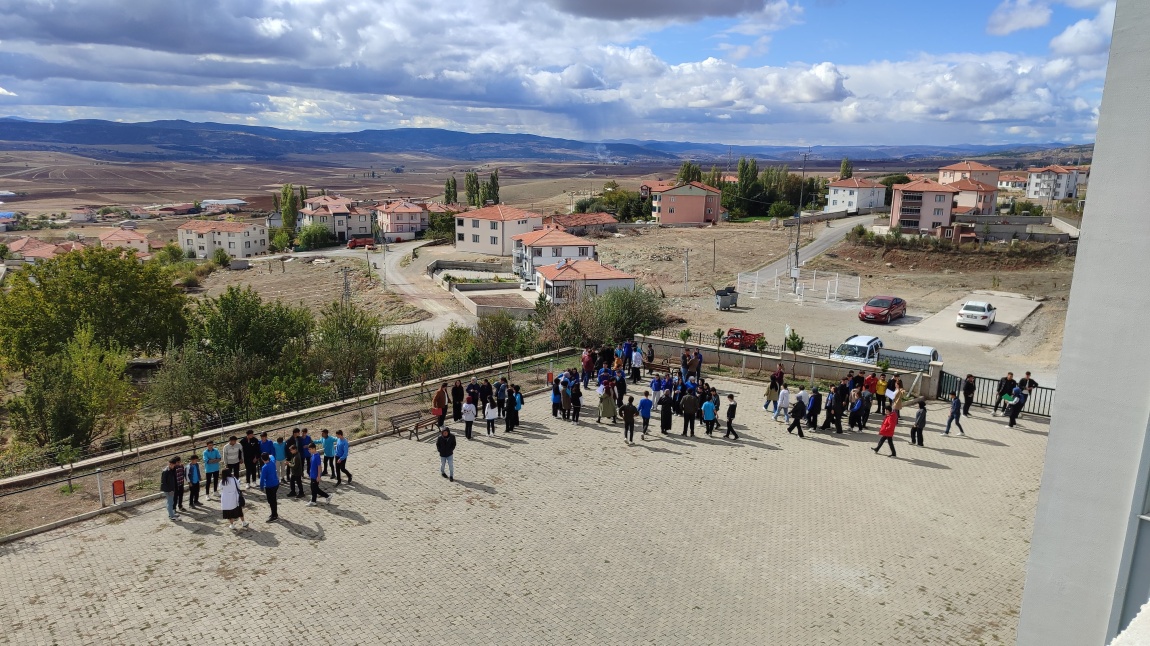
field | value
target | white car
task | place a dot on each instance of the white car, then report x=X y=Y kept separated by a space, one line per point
x=858 y=348
x=976 y=314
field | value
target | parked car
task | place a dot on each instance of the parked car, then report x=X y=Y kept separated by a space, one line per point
x=858 y=348
x=882 y=309
x=976 y=314
x=925 y=350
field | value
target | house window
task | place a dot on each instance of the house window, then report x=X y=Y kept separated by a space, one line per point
x=850 y=192
x=459 y=237
x=248 y=244
x=672 y=198
x=200 y=236
x=231 y=235
x=939 y=198
x=938 y=211
x=835 y=202
x=363 y=229
x=556 y=252
x=536 y=252
x=458 y=222
x=263 y=242
x=494 y=225
x=231 y=245
x=475 y=239
x=948 y=233
x=475 y=224
x=494 y=240
x=850 y=203
x=708 y=211
x=201 y=247
x=583 y=251
x=671 y=210
x=323 y=218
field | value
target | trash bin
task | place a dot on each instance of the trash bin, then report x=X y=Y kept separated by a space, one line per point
x=723 y=300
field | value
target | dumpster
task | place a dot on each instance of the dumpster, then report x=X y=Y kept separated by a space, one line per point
x=724 y=300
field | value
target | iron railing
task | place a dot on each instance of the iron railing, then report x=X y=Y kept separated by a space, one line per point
x=1040 y=402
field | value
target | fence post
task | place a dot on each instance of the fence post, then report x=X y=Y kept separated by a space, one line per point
x=100 y=488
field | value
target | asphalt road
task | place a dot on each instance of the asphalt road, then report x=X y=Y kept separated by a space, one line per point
x=825 y=238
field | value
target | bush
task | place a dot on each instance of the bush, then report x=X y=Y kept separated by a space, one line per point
x=221 y=258
x=205 y=269
x=189 y=282
x=314 y=236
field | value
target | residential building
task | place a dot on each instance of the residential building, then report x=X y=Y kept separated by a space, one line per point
x=854 y=193
x=1012 y=182
x=490 y=230
x=921 y=206
x=969 y=170
x=580 y=222
x=82 y=214
x=33 y=250
x=1052 y=183
x=546 y=247
x=7 y=221
x=177 y=209
x=1088 y=571
x=563 y=280
x=125 y=239
x=975 y=197
x=238 y=239
x=693 y=203
x=342 y=218
x=400 y=220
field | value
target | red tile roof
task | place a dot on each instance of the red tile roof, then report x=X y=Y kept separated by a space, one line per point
x=122 y=235
x=552 y=238
x=969 y=166
x=1053 y=168
x=71 y=245
x=856 y=182
x=25 y=244
x=501 y=212
x=967 y=184
x=401 y=206
x=209 y=226
x=661 y=187
x=581 y=220
x=926 y=185
x=581 y=270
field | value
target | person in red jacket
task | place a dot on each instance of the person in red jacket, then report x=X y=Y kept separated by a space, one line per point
x=886 y=432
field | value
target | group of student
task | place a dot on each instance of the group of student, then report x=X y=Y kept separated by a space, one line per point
x=264 y=463
x=492 y=401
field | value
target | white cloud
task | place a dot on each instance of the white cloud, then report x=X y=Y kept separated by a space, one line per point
x=1088 y=36
x=1014 y=15
x=4 y=92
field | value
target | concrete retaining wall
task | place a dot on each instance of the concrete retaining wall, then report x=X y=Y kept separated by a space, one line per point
x=503 y=266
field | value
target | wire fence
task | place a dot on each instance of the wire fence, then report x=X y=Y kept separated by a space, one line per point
x=67 y=495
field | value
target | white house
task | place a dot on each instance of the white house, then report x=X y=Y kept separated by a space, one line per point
x=490 y=230
x=400 y=220
x=565 y=279
x=342 y=218
x=1052 y=183
x=854 y=193
x=239 y=239
x=1012 y=182
x=547 y=246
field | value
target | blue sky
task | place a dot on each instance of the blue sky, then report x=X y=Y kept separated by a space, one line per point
x=731 y=71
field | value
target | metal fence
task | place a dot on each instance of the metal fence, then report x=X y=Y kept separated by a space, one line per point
x=1040 y=402
x=811 y=285
x=60 y=496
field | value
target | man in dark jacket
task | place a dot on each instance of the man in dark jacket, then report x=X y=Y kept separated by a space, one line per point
x=168 y=486
x=968 y=388
x=445 y=444
x=731 y=406
x=1005 y=387
x=294 y=471
x=798 y=410
x=251 y=450
x=690 y=407
x=813 y=407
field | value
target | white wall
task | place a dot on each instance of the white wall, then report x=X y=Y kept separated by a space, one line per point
x=1094 y=480
x=530 y=262
x=503 y=233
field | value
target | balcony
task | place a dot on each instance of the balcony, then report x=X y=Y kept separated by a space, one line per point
x=908 y=224
x=910 y=210
x=911 y=197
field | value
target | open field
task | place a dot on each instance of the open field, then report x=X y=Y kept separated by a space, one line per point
x=316 y=284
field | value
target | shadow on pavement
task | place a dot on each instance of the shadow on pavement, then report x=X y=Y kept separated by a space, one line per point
x=303 y=531
x=476 y=486
x=926 y=463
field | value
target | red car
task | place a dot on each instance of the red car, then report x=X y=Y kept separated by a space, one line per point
x=882 y=309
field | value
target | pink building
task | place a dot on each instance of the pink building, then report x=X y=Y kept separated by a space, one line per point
x=401 y=220
x=694 y=203
x=921 y=206
x=968 y=170
x=975 y=197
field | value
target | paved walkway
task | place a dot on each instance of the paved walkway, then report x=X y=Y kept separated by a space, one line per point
x=563 y=534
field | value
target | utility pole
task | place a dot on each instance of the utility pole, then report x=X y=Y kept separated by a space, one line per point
x=346 y=287
x=686 y=273
x=799 y=222
x=714 y=255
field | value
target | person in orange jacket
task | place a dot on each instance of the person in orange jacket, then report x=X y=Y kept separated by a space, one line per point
x=886 y=432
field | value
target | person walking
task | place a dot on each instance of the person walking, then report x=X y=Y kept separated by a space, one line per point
x=1017 y=402
x=342 y=448
x=327 y=445
x=1027 y=384
x=968 y=388
x=194 y=477
x=645 y=406
x=457 y=393
x=886 y=433
x=490 y=414
x=955 y=415
x=180 y=477
x=251 y=455
x=1005 y=387
x=829 y=409
x=295 y=472
x=813 y=406
x=168 y=486
x=798 y=411
x=628 y=412
x=270 y=483
x=233 y=456
x=468 y=414
x=231 y=499
x=636 y=364
x=880 y=393
x=919 y=423
x=731 y=406
x=486 y=393
x=556 y=398
x=607 y=401
x=280 y=454
x=666 y=406
x=708 y=409
x=212 y=459
x=501 y=396
x=690 y=407
x=576 y=402
x=439 y=403
x=565 y=395
x=783 y=404
x=771 y=397
x=315 y=462
x=898 y=401
x=445 y=445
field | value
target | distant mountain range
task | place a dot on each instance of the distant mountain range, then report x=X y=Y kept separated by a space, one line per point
x=184 y=140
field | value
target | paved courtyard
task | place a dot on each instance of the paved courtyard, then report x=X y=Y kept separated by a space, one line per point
x=564 y=534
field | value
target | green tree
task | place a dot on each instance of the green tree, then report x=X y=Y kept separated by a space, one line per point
x=3 y=251
x=74 y=397
x=714 y=178
x=289 y=208
x=239 y=321
x=348 y=345
x=749 y=197
x=795 y=344
x=450 y=195
x=314 y=236
x=889 y=181
x=492 y=186
x=221 y=257
x=781 y=210
x=441 y=226
x=281 y=239
x=689 y=172
x=846 y=169
x=471 y=189
x=302 y=194
x=171 y=254
x=126 y=304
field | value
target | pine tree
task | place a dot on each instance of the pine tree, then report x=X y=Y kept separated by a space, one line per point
x=846 y=170
x=471 y=189
x=302 y=194
x=289 y=208
x=449 y=194
x=493 y=187
x=689 y=172
x=714 y=178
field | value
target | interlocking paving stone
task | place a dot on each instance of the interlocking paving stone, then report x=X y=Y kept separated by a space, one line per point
x=564 y=534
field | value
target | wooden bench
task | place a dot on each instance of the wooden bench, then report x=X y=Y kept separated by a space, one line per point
x=414 y=419
x=662 y=367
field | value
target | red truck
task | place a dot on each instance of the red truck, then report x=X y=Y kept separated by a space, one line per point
x=355 y=243
x=737 y=339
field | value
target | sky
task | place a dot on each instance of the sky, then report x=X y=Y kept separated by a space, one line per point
x=810 y=72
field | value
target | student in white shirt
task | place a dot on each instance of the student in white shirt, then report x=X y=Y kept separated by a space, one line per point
x=784 y=404
x=490 y=414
